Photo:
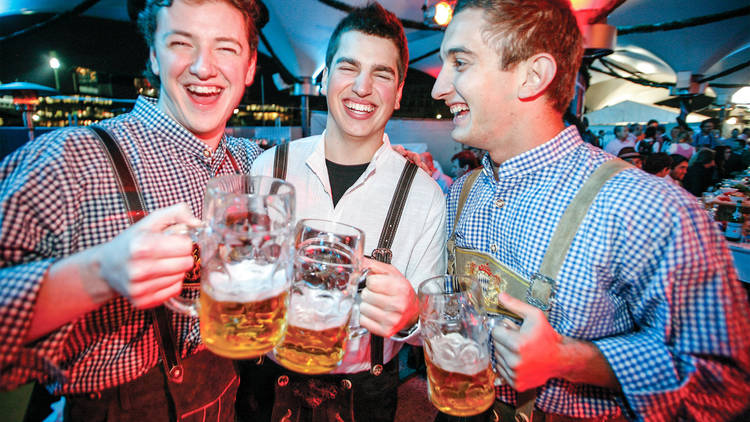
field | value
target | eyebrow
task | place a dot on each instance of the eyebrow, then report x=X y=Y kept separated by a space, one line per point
x=189 y=35
x=458 y=50
x=377 y=68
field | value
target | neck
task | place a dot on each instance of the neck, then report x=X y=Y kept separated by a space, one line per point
x=343 y=149
x=533 y=126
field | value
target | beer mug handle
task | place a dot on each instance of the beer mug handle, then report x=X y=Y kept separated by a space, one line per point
x=356 y=330
x=180 y=304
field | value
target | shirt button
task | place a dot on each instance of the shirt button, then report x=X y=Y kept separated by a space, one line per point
x=206 y=153
x=499 y=203
x=493 y=247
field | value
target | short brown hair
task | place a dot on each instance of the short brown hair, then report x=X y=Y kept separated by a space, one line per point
x=148 y=16
x=518 y=29
x=372 y=19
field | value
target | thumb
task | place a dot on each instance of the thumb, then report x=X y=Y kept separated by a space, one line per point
x=169 y=216
x=516 y=306
x=376 y=267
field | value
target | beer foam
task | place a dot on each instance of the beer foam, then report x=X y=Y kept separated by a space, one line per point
x=455 y=353
x=247 y=281
x=317 y=310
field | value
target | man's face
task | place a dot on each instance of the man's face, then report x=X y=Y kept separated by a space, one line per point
x=707 y=127
x=622 y=134
x=480 y=95
x=678 y=173
x=362 y=86
x=674 y=133
x=635 y=161
x=203 y=60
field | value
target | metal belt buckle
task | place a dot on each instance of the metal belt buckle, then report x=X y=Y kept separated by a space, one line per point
x=541 y=292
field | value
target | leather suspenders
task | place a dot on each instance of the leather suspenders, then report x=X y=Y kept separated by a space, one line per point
x=280 y=159
x=383 y=252
x=136 y=210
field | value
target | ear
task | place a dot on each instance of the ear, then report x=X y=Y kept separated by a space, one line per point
x=324 y=82
x=398 y=96
x=250 y=75
x=538 y=72
x=154 y=61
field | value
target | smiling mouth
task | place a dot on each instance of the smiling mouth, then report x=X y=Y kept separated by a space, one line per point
x=362 y=108
x=204 y=91
x=457 y=109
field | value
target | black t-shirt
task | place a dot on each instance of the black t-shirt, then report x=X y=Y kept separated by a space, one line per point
x=342 y=177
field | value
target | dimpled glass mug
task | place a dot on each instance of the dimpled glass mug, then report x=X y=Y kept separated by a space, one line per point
x=324 y=290
x=455 y=334
x=246 y=255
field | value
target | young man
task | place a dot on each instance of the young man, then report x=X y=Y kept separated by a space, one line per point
x=76 y=277
x=621 y=141
x=648 y=319
x=349 y=174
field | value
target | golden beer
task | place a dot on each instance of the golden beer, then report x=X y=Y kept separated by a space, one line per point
x=242 y=326
x=460 y=390
x=312 y=351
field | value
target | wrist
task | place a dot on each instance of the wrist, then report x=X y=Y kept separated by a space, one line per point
x=92 y=275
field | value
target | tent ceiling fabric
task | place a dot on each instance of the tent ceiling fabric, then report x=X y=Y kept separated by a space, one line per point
x=298 y=31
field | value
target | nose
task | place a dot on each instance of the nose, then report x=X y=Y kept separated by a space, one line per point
x=443 y=87
x=203 y=64
x=362 y=85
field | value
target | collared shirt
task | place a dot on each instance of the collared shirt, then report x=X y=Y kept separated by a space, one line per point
x=648 y=279
x=419 y=246
x=59 y=196
x=614 y=146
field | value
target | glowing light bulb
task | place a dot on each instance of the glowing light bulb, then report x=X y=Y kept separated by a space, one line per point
x=443 y=13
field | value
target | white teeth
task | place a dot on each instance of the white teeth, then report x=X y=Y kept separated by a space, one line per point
x=457 y=108
x=198 y=89
x=360 y=107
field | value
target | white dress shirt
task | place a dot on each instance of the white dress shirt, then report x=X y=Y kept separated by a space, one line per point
x=419 y=245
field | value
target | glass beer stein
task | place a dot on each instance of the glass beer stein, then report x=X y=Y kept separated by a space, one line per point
x=326 y=274
x=455 y=335
x=246 y=253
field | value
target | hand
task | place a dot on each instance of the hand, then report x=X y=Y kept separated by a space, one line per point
x=389 y=302
x=412 y=156
x=143 y=263
x=529 y=355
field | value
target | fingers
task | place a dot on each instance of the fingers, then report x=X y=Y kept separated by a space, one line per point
x=518 y=307
x=160 y=245
x=164 y=217
x=147 y=270
x=505 y=336
x=169 y=289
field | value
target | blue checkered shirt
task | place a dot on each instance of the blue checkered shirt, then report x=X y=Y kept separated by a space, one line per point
x=648 y=279
x=58 y=196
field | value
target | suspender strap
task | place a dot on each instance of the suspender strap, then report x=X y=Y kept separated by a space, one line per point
x=280 y=159
x=383 y=252
x=136 y=210
x=558 y=248
x=571 y=220
x=451 y=243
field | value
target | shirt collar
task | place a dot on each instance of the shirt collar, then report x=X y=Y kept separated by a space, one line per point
x=168 y=130
x=537 y=158
x=379 y=155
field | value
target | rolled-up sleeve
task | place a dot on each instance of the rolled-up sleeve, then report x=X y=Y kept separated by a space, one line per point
x=689 y=353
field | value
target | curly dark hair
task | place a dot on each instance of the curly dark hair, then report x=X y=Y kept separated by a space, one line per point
x=147 y=19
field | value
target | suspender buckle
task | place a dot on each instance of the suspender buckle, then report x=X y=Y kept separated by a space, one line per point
x=541 y=292
x=382 y=255
x=175 y=374
x=376 y=370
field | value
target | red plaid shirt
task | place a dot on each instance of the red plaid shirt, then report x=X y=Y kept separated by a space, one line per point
x=59 y=196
